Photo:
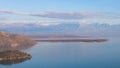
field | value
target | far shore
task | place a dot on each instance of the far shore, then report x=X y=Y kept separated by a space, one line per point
x=66 y=38
x=74 y=40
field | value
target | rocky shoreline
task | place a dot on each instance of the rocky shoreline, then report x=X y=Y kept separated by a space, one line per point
x=11 y=46
x=14 y=55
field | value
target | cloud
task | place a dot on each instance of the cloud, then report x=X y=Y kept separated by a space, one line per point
x=66 y=15
x=59 y=15
x=74 y=15
x=12 y=12
x=2 y=18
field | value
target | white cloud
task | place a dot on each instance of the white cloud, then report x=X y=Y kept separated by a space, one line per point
x=66 y=15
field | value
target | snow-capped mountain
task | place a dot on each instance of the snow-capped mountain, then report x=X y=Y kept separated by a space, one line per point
x=63 y=28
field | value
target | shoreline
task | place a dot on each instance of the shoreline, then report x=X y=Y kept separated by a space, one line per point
x=74 y=40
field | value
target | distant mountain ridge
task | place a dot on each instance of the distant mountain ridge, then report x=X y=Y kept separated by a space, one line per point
x=63 y=28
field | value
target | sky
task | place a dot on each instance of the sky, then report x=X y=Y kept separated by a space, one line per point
x=54 y=11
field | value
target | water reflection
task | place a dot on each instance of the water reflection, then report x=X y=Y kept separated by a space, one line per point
x=10 y=62
x=10 y=55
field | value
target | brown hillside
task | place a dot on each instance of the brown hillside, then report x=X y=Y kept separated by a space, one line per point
x=14 y=42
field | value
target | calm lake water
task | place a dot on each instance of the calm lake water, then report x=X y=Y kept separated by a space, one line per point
x=72 y=55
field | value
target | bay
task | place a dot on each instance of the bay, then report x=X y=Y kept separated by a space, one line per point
x=72 y=55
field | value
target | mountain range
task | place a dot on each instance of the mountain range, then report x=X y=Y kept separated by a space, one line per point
x=94 y=29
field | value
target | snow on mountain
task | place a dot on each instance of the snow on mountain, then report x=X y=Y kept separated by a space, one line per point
x=63 y=28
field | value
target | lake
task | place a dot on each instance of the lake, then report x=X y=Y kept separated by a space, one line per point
x=72 y=55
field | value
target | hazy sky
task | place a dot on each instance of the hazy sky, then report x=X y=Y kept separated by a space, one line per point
x=82 y=11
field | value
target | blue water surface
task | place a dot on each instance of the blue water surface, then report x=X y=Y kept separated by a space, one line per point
x=72 y=55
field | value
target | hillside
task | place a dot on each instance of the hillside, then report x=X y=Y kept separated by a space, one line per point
x=14 y=42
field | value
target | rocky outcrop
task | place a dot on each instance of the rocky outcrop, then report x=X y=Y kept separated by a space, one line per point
x=12 y=57
x=14 y=42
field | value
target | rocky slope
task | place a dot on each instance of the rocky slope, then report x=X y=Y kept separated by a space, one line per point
x=14 y=42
